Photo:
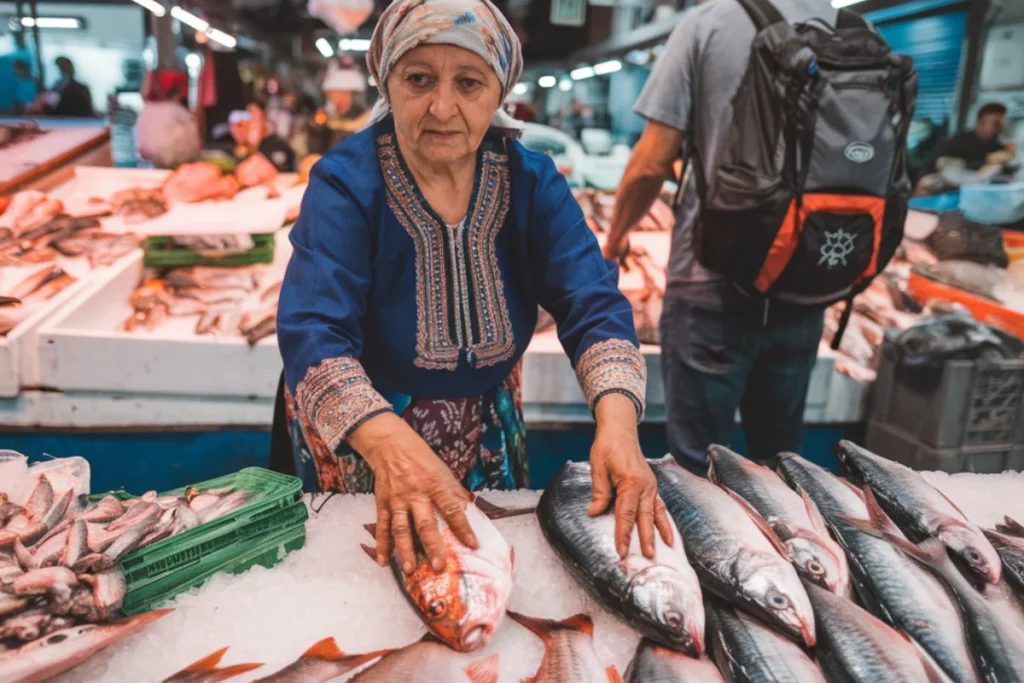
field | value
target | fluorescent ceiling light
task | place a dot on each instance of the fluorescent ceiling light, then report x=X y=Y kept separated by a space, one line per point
x=640 y=57
x=581 y=73
x=839 y=4
x=153 y=6
x=608 y=67
x=193 y=61
x=190 y=19
x=225 y=39
x=565 y=86
x=325 y=48
x=547 y=81
x=51 y=22
x=519 y=89
x=353 y=45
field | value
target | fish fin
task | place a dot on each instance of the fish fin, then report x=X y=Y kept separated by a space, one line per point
x=852 y=487
x=712 y=472
x=931 y=552
x=493 y=511
x=817 y=521
x=768 y=532
x=230 y=672
x=206 y=664
x=1011 y=528
x=543 y=628
x=371 y=552
x=484 y=670
x=950 y=501
x=325 y=649
x=372 y=528
x=876 y=514
x=613 y=675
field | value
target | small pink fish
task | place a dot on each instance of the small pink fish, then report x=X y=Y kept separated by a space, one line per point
x=569 y=655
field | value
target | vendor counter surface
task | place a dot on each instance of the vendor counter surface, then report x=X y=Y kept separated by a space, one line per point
x=48 y=160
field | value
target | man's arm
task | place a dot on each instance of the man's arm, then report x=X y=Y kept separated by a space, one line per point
x=650 y=165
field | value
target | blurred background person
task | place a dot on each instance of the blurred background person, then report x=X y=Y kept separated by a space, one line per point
x=253 y=134
x=345 y=111
x=72 y=97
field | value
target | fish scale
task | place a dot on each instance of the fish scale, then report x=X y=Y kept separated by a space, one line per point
x=730 y=553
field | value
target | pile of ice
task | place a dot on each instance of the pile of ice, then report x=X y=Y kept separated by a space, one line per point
x=331 y=588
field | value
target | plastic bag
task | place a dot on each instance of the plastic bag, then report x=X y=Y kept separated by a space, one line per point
x=957 y=238
x=921 y=351
x=344 y=16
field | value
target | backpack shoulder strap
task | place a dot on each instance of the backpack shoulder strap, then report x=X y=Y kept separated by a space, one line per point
x=847 y=19
x=762 y=13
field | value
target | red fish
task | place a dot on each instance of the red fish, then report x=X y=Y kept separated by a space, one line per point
x=206 y=670
x=569 y=655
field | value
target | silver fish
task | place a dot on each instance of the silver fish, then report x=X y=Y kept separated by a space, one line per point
x=127 y=541
x=49 y=551
x=994 y=627
x=661 y=598
x=855 y=646
x=108 y=591
x=58 y=509
x=107 y=510
x=206 y=670
x=569 y=655
x=793 y=517
x=653 y=663
x=831 y=495
x=54 y=654
x=27 y=529
x=735 y=554
x=325 y=661
x=77 y=543
x=747 y=651
x=143 y=510
x=920 y=509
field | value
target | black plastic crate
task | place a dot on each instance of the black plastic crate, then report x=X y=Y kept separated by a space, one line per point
x=896 y=444
x=975 y=403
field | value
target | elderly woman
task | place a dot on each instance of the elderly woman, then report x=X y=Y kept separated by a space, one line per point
x=425 y=244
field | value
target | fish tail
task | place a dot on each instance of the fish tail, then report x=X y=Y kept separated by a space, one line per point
x=206 y=664
x=930 y=553
x=1011 y=527
x=493 y=511
x=543 y=628
x=876 y=514
x=372 y=528
x=613 y=675
x=370 y=552
x=230 y=672
x=484 y=670
x=328 y=649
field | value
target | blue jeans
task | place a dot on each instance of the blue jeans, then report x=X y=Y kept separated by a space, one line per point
x=720 y=352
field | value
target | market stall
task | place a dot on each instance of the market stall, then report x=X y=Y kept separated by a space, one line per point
x=41 y=155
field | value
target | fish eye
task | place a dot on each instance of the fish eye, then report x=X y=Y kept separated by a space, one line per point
x=778 y=601
x=973 y=556
x=58 y=638
x=815 y=568
x=437 y=609
x=673 y=619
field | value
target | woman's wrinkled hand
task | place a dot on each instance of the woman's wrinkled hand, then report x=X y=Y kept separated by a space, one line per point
x=411 y=483
x=620 y=471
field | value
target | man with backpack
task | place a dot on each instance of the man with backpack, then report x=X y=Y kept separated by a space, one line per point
x=793 y=198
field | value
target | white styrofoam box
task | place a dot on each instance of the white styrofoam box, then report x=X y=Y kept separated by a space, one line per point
x=81 y=410
x=1002 y=66
x=84 y=349
x=19 y=411
x=19 y=361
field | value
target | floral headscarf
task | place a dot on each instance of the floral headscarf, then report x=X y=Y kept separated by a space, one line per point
x=475 y=25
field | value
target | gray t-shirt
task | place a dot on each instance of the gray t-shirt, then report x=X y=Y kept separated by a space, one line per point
x=691 y=89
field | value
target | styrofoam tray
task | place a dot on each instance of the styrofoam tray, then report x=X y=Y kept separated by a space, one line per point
x=83 y=349
x=19 y=362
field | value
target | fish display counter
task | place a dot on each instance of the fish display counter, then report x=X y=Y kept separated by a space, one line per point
x=41 y=154
x=330 y=612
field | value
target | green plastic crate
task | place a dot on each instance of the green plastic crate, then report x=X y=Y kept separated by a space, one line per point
x=265 y=551
x=159 y=254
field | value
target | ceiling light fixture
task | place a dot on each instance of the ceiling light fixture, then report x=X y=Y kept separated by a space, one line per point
x=324 y=46
x=153 y=6
x=565 y=85
x=353 y=45
x=225 y=39
x=839 y=4
x=582 y=73
x=609 y=67
x=190 y=19
x=520 y=89
x=547 y=81
x=51 y=22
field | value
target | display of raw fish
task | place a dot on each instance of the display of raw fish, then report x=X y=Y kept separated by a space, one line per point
x=426 y=661
x=747 y=651
x=1008 y=540
x=137 y=204
x=653 y=663
x=206 y=670
x=569 y=655
x=908 y=597
x=920 y=509
x=660 y=598
x=831 y=495
x=463 y=604
x=855 y=646
x=993 y=618
x=728 y=545
x=57 y=652
x=794 y=519
x=322 y=662
x=195 y=182
x=255 y=170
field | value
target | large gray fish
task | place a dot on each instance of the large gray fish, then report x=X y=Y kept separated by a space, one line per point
x=569 y=655
x=660 y=598
x=793 y=517
x=920 y=509
x=890 y=585
x=731 y=552
x=747 y=651
x=994 y=625
x=857 y=647
x=1008 y=540
x=899 y=591
x=57 y=652
x=653 y=663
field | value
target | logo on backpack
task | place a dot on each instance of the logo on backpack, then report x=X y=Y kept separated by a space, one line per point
x=859 y=152
x=838 y=245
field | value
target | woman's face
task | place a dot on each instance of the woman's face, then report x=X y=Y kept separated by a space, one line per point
x=443 y=98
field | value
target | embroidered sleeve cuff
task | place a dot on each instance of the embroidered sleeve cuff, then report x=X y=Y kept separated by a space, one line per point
x=336 y=397
x=613 y=366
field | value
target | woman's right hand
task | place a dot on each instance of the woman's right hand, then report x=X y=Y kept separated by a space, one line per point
x=411 y=482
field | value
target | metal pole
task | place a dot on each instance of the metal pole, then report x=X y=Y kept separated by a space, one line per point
x=163 y=30
x=19 y=35
x=35 y=36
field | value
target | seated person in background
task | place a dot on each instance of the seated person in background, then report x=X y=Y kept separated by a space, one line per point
x=979 y=149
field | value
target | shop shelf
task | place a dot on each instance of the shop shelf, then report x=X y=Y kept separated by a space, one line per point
x=974 y=403
x=993 y=204
x=896 y=444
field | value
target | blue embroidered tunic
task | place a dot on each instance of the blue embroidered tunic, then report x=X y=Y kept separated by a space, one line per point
x=382 y=298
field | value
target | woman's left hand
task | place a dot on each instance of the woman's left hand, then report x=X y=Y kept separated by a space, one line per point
x=619 y=470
